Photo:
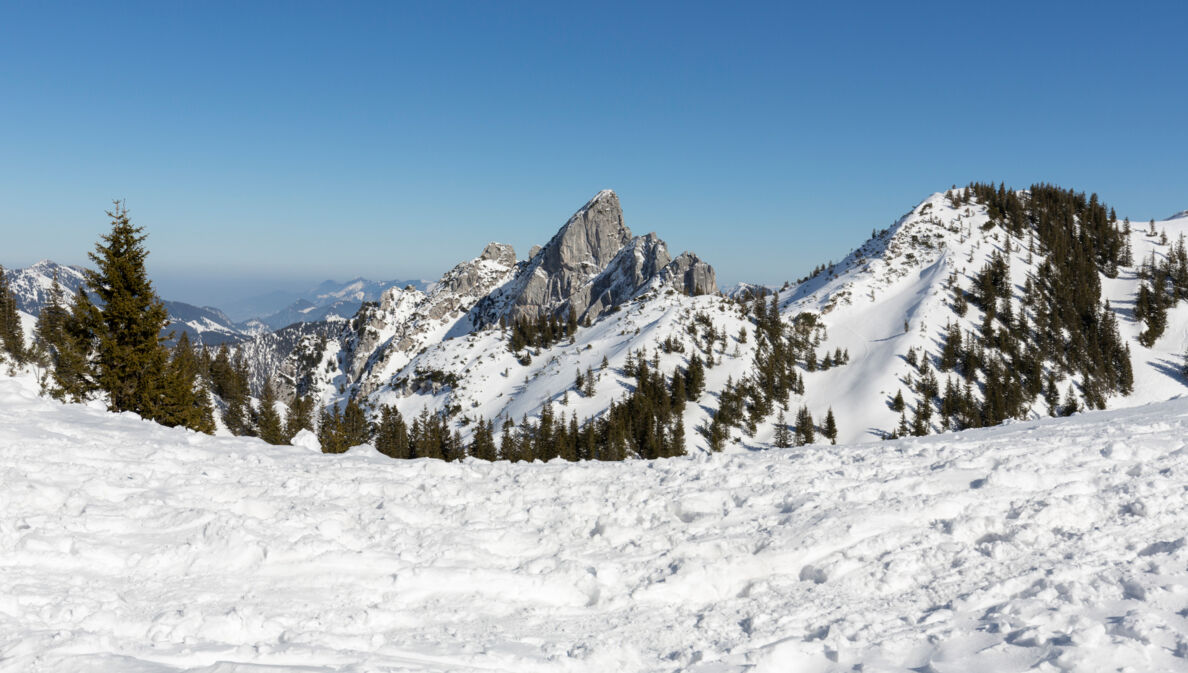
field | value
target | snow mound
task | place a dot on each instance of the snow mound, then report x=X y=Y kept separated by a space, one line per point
x=1049 y=545
x=307 y=440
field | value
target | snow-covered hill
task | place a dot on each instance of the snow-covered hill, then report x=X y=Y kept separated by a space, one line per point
x=891 y=297
x=1040 y=546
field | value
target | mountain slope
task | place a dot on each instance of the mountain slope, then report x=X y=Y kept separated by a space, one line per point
x=1056 y=544
x=203 y=324
x=590 y=268
x=890 y=302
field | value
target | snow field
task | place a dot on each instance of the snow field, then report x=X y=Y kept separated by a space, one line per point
x=1056 y=545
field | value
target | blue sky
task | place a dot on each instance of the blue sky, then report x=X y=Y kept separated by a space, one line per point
x=272 y=145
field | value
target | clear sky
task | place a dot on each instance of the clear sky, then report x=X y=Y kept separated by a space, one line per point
x=271 y=145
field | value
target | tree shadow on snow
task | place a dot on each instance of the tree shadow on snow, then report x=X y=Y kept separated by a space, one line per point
x=1172 y=370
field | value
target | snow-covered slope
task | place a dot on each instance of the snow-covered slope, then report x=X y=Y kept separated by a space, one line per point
x=592 y=266
x=1041 y=546
x=891 y=296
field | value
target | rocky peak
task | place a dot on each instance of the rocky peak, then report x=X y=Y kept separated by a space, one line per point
x=590 y=239
x=500 y=253
x=689 y=274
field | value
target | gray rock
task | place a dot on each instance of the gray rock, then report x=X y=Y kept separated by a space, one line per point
x=689 y=274
x=591 y=265
x=501 y=253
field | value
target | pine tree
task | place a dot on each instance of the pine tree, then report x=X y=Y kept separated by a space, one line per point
x=677 y=437
x=783 y=436
x=1070 y=402
x=830 y=426
x=483 y=444
x=330 y=431
x=185 y=402
x=805 y=430
x=391 y=435
x=298 y=416
x=355 y=428
x=236 y=393
x=74 y=369
x=897 y=403
x=507 y=441
x=268 y=420
x=12 y=334
x=131 y=357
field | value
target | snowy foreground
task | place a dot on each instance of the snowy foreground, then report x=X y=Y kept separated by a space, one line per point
x=1049 y=546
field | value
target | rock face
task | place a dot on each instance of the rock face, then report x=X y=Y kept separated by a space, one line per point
x=691 y=275
x=589 y=267
x=592 y=264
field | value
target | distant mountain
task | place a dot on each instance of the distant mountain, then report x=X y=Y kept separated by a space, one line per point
x=978 y=306
x=590 y=268
x=338 y=299
x=203 y=324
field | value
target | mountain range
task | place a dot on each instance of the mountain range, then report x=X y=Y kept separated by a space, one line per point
x=327 y=302
x=978 y=306
x=889 y=306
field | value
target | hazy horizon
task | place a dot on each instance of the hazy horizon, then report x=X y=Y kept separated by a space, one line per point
x=269 y=144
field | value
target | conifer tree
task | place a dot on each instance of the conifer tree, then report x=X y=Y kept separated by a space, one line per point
x=268 y=420
x=483 y=444
x=805 y=430
x=783 y=436
x=330 y=431
x=131 y=358
x=830 y=430
x=355 y=428
x=12 y=334
x=298 y=416
x=185 y=401
x=507 y=441
x=74 y=370
x=391 y=435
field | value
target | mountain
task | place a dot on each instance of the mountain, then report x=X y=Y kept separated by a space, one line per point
x=329 y=300
x=31 y=285
x=976 y=307
x=590 y=268
x=203 y=324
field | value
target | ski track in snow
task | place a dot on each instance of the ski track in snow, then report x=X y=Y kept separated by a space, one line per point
x=1056 y=545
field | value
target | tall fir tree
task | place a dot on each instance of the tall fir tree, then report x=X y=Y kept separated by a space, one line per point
x=131 y=358
x=268 y=420
x=185 y=402
x=391 y=435
x=298 y=416
x=12 y=334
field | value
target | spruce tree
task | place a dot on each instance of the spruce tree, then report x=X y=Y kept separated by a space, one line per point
x=185 y=402
x=391 y=435
x=131 y=357
x=483 y=444
x=805 y=429
x=298 y=416
x=830 y=426
x=268 y=420
x=12 y=334
x=783 y=436
x=355 y=428
x=75 y=375
x=330 y=431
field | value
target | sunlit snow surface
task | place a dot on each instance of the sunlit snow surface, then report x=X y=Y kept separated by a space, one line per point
x=1057 y=545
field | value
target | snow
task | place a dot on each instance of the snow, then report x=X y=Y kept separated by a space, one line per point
x=1052 y=545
